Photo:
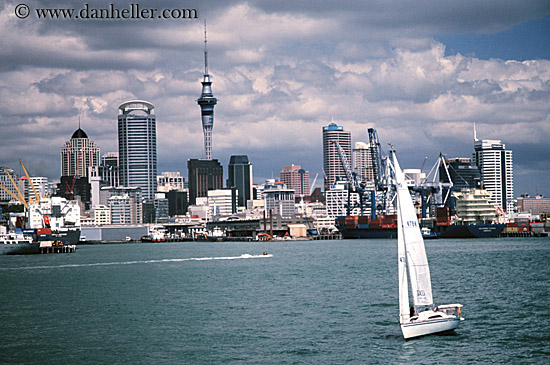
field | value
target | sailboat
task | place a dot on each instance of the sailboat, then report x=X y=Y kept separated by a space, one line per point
x=423 y=318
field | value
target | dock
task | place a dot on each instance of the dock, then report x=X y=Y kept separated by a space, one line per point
x=56 y=247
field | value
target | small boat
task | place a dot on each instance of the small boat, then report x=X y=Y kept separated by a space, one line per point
x=423 y=318
x=17 y=243
x=156 y=234
x=428 y=233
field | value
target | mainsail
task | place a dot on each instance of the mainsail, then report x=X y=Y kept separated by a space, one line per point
x=402 y=274
x=409 y=232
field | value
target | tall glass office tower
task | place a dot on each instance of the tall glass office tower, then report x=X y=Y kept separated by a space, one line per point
x=137 y=146
x=240 y=177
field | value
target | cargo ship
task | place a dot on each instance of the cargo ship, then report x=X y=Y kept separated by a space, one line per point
x=442 y=226
x=353 y=226
x=365 y=227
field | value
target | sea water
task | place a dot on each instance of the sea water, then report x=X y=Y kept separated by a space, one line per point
x=310 y=302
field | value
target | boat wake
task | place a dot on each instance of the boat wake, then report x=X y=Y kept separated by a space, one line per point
x=243 y=256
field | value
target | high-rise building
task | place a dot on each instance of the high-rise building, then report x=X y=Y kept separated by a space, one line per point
x=204 y=175
x=137 y=146
x=41 y=184
x=497 y=171
x=278 y=199
x=240 y=177
x=207 y=101
x=6 y=182
x=463 y=173
x=129 y=204
x=177 y=202
x=362 y=161
x=337 y=200
x=170 y=180
x=296 y=178
x=222 y=202
x=108 y=170
x=332 y=165
x=78 y=154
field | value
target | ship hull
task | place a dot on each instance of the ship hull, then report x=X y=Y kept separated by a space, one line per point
x=452 y=231
x=469 y=231
x=66 y=236
x=20 y=248
x=351 y=233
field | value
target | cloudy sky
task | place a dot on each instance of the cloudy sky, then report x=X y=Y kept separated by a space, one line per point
x=420 y=72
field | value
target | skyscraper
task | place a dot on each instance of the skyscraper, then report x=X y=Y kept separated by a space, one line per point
x=137 y=146
x=362 y=161
x=497 y=171
x=203 y=175
x=240 y=177
x=78 y=154
x=463 y=173
x=207 y=101
x=332 y=165
x=295 y=178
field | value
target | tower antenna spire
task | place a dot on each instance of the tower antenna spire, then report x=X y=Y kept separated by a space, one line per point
x=205 y=51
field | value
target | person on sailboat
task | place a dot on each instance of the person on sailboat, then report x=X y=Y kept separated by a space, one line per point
x=411 y=312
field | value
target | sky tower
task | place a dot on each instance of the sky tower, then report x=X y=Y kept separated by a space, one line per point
x=207 y=102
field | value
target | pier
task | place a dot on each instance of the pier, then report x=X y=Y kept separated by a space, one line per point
x=56 y=247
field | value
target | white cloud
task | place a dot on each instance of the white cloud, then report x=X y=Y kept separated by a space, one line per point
x=279 y=75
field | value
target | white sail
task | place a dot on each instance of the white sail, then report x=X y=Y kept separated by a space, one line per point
x=402 y=274
x=417 y=262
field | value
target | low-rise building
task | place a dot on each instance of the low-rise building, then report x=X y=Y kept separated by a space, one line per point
x=535 y=205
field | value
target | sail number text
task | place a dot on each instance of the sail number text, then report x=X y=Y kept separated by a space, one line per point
x=411 y=223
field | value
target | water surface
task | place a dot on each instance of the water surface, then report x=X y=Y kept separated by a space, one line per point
x=306 y=302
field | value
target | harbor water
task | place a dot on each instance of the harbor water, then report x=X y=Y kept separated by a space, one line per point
x=311 y=302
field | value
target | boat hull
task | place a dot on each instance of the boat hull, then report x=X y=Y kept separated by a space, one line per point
x=66 y=236
x=452 y=231
x=429 y=327
x=352 y=233
x=20 y=248
x=469 y=231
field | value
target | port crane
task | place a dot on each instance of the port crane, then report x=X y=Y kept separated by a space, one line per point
x=382 y=175
x=354 y=186
x=431 y=192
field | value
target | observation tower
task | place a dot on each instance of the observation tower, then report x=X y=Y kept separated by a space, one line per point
x=207 y=101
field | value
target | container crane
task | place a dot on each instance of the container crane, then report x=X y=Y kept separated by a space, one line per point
x=431 y=192
x=354 y=185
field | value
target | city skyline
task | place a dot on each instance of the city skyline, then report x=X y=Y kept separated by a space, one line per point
x=421 y=77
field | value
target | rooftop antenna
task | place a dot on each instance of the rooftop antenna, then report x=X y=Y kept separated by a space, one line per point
x=205 y=51
x=475 y=133
x=78 y=121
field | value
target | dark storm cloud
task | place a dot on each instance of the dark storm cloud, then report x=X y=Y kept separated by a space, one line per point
x=422 y=16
